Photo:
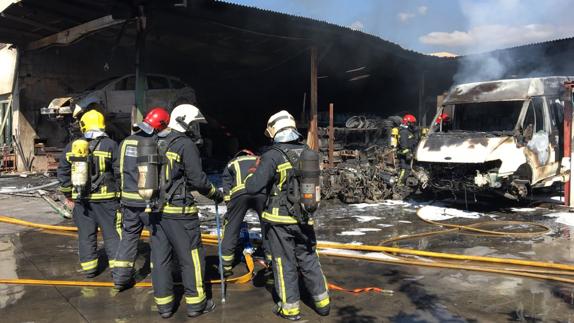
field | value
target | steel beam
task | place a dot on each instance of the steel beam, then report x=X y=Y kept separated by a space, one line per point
x=70 y=35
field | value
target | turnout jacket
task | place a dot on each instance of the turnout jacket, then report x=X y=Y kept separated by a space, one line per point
x=272 y=174
x=182 y=174
x=234 y=176
x=126 y=170
x=408 y=140
x=103 y=152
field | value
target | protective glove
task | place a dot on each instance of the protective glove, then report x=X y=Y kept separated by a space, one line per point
x=217 y=197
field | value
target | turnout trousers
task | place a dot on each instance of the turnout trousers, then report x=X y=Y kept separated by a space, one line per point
x=177 y=237
x=294 y=253
x=88 y=216
x=236 y=210
x=405 y=169
x=134 y=219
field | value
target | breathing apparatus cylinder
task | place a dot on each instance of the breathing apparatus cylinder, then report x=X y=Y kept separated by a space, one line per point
x=148 y=168
x=80 y=165
x=394 y=138
x=310 y=172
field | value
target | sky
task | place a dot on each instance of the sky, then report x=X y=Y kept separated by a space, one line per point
x=428 y=26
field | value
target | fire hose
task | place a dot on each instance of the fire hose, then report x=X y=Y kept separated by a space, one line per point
x=523 y=268
x=205 y=238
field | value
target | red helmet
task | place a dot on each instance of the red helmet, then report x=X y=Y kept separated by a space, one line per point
x=244 y=152
x=443 y=117
x=156 y=119
x=409 y=119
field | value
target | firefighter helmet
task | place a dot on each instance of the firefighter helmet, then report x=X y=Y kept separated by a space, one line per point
x=156 y=119
x=244 y=152
x=280 y=121
x=443 y=117
x=409 y=119
x=183 y=116
x=92 y=120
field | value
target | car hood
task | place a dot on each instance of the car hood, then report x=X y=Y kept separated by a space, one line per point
x=462 y=147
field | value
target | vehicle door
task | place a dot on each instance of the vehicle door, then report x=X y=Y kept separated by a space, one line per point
x=120 y=95
x=540 y=140
x=158 y=91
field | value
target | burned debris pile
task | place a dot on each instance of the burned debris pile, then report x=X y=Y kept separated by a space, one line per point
x=364 y=167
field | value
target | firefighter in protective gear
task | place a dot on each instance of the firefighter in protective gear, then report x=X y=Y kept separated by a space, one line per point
x=291 y=236
x=134 y=214
x=238 y=203
x=409 y=137
x=443 y=123
x=95 y=207
x=175 y=229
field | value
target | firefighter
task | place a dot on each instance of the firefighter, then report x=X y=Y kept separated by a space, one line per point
x=134 y=214
x=238 y=203
x=408 y=139
x=93 y=197
x=290 y=232
x=443 y=122
x=175 y=229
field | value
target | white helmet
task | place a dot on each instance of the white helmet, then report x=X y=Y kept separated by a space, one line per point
x=280 y=121
x=182 y=117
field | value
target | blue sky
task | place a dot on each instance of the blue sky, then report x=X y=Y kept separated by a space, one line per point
x=458 y=26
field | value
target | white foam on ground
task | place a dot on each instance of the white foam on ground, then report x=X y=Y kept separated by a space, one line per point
x=523 y=209
x=437 y=213
x=563 y=217
x=364 y=205
x=351 y=233
x=404 y=221
x=375 y=255
x=368 y=229
x=211 y=208
x=365 y=218
x=384 y=225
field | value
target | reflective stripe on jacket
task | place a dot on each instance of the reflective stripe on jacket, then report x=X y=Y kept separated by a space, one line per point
x=234 y=176
x=183 y=174
x=127 y=169
x=272 y=174
x=103 y=152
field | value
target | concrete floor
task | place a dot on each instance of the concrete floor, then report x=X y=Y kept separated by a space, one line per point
x=421 y=294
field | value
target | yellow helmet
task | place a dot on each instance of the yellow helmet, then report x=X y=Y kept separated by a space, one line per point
x=92 y=120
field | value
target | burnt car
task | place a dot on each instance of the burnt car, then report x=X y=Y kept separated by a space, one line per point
x=116 y=96
x=501 y=137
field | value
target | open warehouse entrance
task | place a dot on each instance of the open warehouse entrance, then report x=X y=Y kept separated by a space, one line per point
x=241 y=63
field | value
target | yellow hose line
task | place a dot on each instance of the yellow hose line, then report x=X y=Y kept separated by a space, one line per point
x=472 y=227
x=449 y=266
x=446 y=255
x=47 y=282
x=11 y=220
x=393 y=250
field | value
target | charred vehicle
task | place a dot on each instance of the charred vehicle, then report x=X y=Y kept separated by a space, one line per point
x=501 y=137
x=117 y=97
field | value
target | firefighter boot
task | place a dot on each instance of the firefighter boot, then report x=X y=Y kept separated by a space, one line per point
x=209 y=306
x=291 y=317
x=323 y=311
x=165 y=311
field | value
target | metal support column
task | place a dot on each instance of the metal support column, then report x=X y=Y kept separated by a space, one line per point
x=140 y=90
x=331 y=135
x=568 y=189
x=313 y=139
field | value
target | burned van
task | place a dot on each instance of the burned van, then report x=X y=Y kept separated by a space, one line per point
x=501 y=136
